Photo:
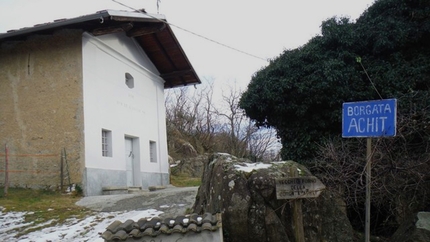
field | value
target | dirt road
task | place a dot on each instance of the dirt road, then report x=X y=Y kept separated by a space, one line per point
x=172 y=201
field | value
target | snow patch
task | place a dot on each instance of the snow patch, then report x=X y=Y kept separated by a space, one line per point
x=88 y=229
x=248 y=167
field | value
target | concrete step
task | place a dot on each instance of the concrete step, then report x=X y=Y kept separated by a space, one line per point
x=155 y=188
x=112 y=190
x=132 y=190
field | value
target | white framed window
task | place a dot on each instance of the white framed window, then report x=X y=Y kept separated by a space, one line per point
x=129 y=80
x=106 y=143
x=153 y=151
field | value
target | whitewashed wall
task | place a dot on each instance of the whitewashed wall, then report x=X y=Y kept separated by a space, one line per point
x=110 y=104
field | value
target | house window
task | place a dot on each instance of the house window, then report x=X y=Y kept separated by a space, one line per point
x=106 y=143
x=153 y=151
x=129 y=80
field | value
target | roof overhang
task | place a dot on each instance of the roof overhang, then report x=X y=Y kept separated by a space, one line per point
x=150 y=31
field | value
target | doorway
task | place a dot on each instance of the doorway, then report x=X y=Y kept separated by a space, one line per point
x=129 y=161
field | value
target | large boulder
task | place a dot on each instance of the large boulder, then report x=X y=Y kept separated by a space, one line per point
x=245 y=194
x=414 y=229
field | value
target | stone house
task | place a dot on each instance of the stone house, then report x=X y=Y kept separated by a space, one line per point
x=92 y=86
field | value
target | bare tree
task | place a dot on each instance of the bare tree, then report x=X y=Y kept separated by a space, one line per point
x=178 y=107
x=400 y=178
x=190 y=118
x=195 y=122
x=263 y=144
x=245 y=139
x=234 y=118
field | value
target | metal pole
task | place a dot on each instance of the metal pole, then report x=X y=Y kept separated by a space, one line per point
x=368 y=183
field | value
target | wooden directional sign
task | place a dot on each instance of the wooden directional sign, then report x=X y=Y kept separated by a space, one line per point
x=298 y=187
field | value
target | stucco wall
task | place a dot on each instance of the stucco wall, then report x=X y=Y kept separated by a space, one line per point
x=137 y=113
x=41 y=108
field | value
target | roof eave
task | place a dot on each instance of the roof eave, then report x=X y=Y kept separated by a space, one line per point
x=173 y=78
x=114 y=14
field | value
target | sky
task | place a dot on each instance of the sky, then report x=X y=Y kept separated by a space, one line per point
x=260 y=30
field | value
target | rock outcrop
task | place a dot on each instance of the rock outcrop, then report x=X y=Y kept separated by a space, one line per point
x=414 y=229
x=245 y=194
x=190 y=167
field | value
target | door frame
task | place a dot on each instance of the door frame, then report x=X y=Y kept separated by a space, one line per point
x=135 y=147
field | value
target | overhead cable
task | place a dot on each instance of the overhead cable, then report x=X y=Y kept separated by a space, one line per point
x=191 y=32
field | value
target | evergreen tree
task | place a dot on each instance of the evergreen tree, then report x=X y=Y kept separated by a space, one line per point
x=300 y=93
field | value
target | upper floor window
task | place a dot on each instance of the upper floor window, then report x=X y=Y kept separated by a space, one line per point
x=129 y=80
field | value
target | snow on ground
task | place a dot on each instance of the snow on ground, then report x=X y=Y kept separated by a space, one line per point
x=88 y=229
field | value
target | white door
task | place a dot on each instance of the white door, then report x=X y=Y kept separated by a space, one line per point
x=129 y=157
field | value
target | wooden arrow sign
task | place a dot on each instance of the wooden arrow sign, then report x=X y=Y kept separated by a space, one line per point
x=298 y=187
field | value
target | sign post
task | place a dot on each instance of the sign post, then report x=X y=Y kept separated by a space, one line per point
x=296 y=187
x=368 y=184
x=369 y=119
x=299 y=233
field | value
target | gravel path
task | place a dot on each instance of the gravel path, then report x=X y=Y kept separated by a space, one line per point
x=172 y=201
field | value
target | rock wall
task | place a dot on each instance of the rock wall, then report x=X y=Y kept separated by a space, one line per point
x=245 y=194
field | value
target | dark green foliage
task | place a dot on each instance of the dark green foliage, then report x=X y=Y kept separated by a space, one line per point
x=300 y=93
x=78 y=190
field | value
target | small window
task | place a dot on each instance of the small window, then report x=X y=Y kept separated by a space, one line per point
x=153 y=151
x=129 y=80
x=106 y=143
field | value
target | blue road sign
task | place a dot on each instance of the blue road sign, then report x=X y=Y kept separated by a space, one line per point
x=369 y=118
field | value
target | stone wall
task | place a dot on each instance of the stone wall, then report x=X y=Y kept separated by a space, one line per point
x=41 y=108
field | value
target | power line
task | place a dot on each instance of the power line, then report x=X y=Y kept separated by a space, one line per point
x=358 y=59
x=193 y=33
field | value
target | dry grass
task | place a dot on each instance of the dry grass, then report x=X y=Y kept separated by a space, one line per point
x=48 y=208
x=42 y=206
x=184 y=181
